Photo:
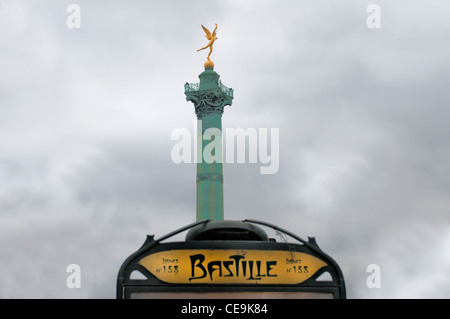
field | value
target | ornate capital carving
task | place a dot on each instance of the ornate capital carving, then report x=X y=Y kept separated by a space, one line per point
x=211 y=100
x=206 y=102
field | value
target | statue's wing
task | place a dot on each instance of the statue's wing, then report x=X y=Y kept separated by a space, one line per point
x=208 y=34
x=214 y=32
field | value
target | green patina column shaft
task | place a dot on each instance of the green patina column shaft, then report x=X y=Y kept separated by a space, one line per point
x=210 y=97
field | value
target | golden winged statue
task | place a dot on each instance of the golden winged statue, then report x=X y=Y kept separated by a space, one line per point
x=211 y=37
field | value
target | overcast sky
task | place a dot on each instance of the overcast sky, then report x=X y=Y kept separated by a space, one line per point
x=86 y=116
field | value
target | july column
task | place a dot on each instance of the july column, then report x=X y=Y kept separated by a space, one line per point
x=210 y=97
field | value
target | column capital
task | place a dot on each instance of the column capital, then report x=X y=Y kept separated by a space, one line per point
x=210 y=95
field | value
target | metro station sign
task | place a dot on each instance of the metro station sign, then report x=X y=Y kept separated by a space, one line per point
x=205 y=265
x=232 y=266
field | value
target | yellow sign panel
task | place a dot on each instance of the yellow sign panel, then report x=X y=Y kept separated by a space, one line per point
x=223 y=266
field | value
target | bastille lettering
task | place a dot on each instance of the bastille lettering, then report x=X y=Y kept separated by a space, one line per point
x=234 y=266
